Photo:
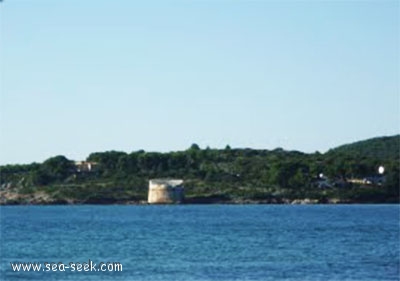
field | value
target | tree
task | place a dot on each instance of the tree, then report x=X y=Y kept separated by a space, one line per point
x=54 y=169
x=194 y=146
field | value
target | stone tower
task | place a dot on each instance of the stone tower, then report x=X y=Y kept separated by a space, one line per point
x=165 y=191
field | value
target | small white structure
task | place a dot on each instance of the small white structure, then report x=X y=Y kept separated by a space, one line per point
x=165 y=191
x=86 y=166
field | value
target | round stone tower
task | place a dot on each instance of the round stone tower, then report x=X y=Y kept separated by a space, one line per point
x=165 y=191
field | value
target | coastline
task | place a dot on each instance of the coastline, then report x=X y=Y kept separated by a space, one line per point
x=196 y=201
x=40 y=197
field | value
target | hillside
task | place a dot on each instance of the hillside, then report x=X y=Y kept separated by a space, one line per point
x=381 y=148
x=211 y=176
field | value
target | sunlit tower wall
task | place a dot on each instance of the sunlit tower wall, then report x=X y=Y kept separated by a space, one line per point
x=165 y=191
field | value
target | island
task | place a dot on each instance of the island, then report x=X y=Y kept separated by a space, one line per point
x=362 y=172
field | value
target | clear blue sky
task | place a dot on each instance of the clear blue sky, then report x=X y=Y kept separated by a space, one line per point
x=85 y=76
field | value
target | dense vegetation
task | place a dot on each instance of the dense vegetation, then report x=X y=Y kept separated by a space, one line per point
x=216 y=175
x=382 y=148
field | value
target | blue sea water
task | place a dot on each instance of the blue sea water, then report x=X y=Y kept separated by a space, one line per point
x=205 y=242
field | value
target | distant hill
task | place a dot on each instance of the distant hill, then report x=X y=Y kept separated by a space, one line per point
x=382 y=148
x=212 y=176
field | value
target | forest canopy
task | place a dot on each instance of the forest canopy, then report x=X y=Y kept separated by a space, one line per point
x=228 y=174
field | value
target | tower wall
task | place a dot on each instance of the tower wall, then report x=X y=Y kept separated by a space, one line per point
x=165 y=191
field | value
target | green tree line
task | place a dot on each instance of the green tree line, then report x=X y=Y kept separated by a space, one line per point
x=229 y=173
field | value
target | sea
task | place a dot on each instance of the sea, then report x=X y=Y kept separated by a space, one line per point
x=201 y=242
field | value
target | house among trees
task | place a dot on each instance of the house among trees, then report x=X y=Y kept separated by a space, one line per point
x=86 y=166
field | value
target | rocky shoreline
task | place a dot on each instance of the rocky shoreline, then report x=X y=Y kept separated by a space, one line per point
x=44 y=199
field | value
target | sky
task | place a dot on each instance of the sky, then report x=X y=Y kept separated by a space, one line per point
x=84 y=76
